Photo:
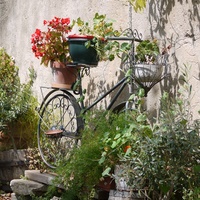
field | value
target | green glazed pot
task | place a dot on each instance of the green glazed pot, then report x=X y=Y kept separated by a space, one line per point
x=79 y=53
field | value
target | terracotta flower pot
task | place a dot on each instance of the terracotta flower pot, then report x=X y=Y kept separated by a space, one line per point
x=63 y=76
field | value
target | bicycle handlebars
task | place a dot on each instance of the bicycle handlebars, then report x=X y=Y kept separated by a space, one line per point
x=124 y=38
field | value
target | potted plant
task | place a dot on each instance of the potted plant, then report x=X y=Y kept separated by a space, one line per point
x=148 y=62
x=92 y=38
x=52 y=46
x=119 y=141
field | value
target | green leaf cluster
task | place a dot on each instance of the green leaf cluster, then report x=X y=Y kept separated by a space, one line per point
x=17 y=104
x=147 y=51
x=138 y=5
x=126 y=128
x=9 y=88
x=105 y=137
x=101 y=28
x=162 y=157
x=168 y=162
x=81 y=171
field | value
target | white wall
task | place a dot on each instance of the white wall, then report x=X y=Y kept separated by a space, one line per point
x=170 y=21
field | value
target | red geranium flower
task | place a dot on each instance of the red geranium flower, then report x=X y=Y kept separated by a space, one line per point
x=52 y=45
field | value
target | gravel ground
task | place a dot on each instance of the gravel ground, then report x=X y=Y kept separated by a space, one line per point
x=6 y=196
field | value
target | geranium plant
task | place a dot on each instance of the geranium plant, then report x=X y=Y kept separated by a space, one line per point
x=52 y=44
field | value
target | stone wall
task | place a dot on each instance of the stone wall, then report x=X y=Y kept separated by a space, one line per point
x=170 y=21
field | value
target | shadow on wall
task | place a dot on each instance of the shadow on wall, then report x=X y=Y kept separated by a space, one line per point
x=97 y=89
x=159 y=11
x=103 y=86
x=159 y=18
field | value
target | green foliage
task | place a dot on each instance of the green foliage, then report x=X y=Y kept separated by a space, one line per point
x=105 y=139
x=162 y=158
x=97 y=153
x=57 y=194
x=9 y=88
x=51 y=192
x=193 y=194
x=122 y=135
x=101 y=28
x=81 y=171
x=138 y=5
x=18 y=117
x=168 y=162
x=147 y=51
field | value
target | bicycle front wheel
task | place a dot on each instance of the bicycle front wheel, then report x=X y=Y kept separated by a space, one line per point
x=59 y=127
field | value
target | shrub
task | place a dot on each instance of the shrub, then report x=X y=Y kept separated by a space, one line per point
x=18 y=117
x=168 y=163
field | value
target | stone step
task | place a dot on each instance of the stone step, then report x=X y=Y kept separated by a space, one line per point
x=46 y=178
x=27 y=187
x=35 y=183
x=36 y=175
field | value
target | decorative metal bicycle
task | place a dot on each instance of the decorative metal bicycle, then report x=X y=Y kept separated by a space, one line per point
x=61 y=122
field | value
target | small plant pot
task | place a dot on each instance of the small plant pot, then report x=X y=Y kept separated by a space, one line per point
x=80 y=53
x=107 y=184
x=148 y=72
x=63 y=76
x=120 y=180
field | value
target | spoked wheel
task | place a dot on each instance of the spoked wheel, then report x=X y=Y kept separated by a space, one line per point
x=59 y=127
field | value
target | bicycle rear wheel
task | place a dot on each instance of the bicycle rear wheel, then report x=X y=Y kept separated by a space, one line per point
x=59 y=127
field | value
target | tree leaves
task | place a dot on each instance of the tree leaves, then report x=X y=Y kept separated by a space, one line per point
x=138 y=5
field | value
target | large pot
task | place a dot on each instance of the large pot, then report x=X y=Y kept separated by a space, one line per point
x=63 y=76
x=79 y=52
x=148 y=72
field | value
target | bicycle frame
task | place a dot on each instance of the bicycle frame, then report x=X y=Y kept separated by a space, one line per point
x=120 y=85
x=60 y=114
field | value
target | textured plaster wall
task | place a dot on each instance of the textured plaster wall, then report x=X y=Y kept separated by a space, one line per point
x=175 y=22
